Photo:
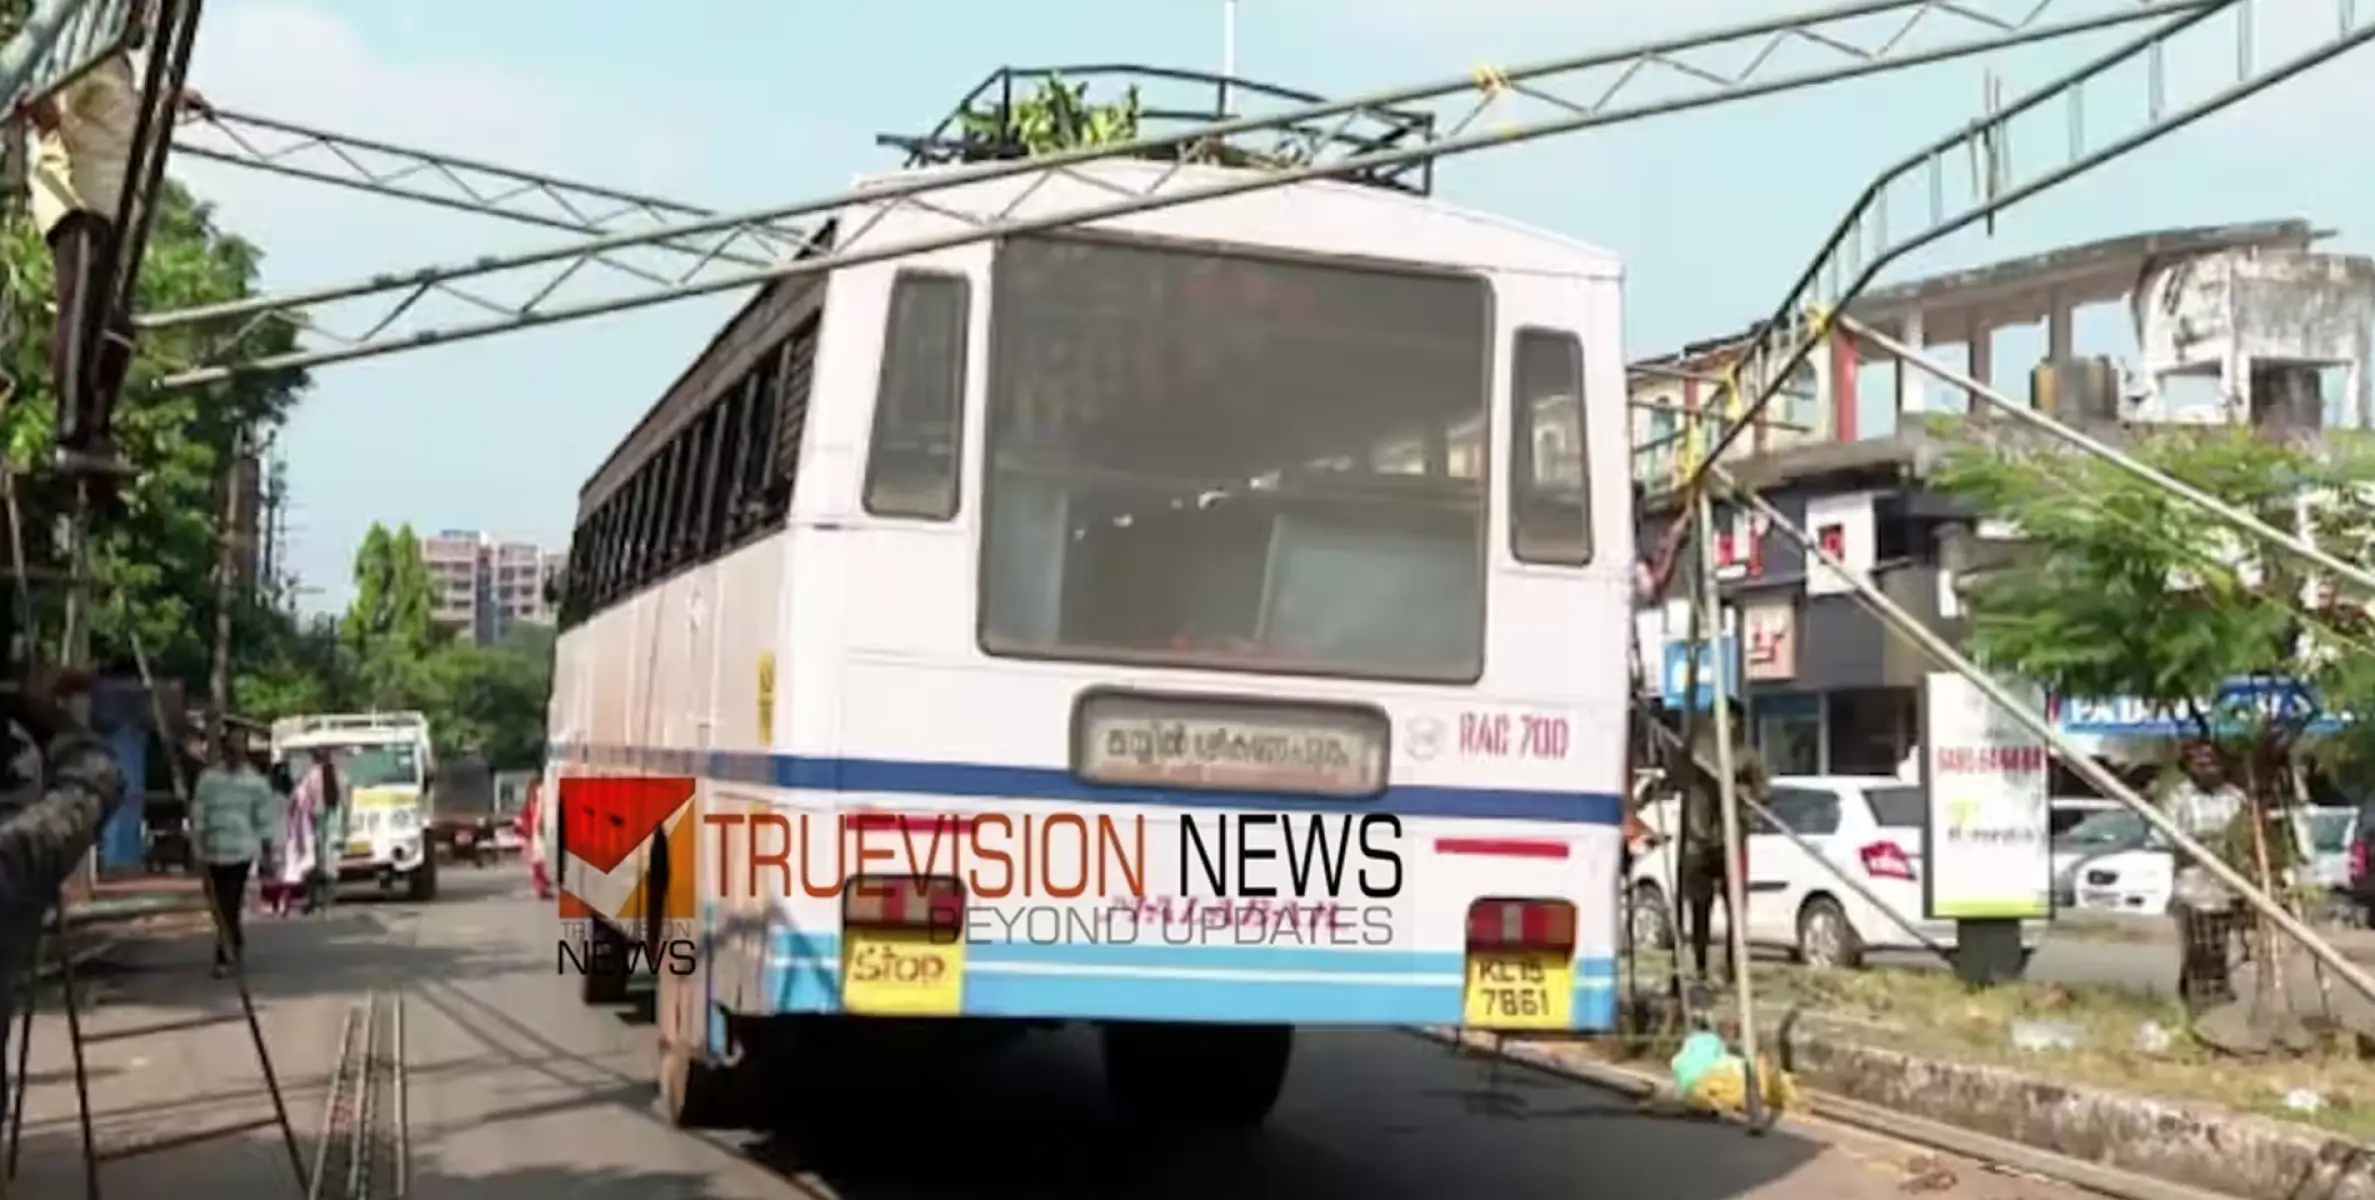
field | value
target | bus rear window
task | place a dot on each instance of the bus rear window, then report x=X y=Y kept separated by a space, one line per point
x=1253 y=463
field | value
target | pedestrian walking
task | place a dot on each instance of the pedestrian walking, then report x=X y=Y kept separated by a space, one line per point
x=82 y=160
x=233 y=818
x=292 y=867
x=531 y=831
x=2209 y=809
x=324 y=800
x=1700 y=860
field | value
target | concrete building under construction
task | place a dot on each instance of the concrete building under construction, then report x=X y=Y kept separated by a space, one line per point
x=2230 y=324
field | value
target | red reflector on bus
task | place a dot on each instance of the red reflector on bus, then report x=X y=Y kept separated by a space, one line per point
x=904 y=902
x=1509 y=924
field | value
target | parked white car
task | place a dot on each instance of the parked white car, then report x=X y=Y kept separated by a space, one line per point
x=1866 y=827
x=2114 y=862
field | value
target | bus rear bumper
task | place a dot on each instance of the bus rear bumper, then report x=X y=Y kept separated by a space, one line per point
x=807 y=974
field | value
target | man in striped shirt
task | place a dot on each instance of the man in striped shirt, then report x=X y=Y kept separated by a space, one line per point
x=234 y=817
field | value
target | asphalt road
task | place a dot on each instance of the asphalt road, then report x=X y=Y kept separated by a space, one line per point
x=518 y=1092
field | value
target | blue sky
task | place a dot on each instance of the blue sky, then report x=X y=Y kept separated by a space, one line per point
x=736 y=104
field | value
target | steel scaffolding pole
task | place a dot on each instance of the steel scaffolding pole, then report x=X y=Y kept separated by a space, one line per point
x=1862 y=244
x=1483 y=92
x=464 y=184
x=1904 y=624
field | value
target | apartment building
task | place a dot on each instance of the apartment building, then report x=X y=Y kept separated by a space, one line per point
x=485 y=585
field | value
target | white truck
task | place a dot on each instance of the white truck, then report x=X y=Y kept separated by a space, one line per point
x=389 y=767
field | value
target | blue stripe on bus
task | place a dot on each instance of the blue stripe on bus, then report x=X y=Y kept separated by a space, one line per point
x=995 y=781
x=810 y=983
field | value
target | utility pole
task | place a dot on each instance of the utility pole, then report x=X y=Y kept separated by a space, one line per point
x=237 y=471
x=1228 y=58
x=272 y=527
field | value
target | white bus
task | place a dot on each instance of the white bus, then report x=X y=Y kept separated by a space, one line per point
x=1284 y=507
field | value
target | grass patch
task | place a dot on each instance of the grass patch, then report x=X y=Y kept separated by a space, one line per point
x=1933 y=1015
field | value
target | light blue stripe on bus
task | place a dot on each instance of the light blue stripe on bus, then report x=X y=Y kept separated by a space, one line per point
x=1073 y=982
x=1001 y=782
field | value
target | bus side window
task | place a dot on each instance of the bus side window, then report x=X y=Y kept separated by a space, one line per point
x=651 y=500
x=614 y=545
x=733 y=445
x=677 y=478
x=1550 y=515
x=630 y=568
x=791 y=420
x=913 y=461
x=750 y=495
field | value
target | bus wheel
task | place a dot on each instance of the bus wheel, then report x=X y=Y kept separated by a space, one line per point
x=1214 y=1076
x=604 y=978
x=697 y=1092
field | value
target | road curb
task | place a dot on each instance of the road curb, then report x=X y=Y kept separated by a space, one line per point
x=2134 y=1147
x=2193 y=1145
x=1572 y=1061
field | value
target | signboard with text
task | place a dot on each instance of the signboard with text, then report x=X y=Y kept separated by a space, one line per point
x=1675 y=675
x=1989 y=845
x=1772 y=629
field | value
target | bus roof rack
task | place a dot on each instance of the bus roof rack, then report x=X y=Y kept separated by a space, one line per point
x=982 y=127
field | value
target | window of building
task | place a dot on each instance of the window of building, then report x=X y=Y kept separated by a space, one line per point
x=912 y=465
x=1789 y=737
x=1549 y=508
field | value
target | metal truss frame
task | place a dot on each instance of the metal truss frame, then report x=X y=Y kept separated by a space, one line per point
x=1863 y=243
x=466 y=185
x=60 y=41
x=1618 y=73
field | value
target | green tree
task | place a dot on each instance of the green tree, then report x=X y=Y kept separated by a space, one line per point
x=491 y=699
x=374 y=578
x=2123 y=589
x=287 y=666
x=158 y=555
x=389 y=631
x=412 y=598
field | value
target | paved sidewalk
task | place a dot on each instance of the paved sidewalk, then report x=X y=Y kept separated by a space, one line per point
x=178 y=1082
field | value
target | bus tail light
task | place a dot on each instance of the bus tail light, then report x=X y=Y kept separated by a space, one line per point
x=1887 y=860
x=1513 y=924
x=935 y=902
